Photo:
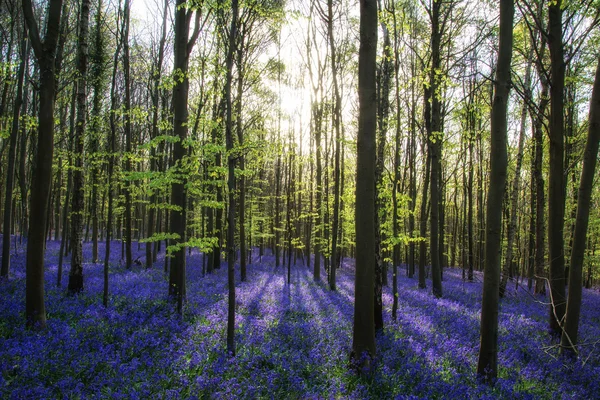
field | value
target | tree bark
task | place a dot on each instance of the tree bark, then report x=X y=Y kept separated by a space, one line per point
x=77 y=207
x=590 y=157
x=435 y=148
x=487 y=364
x=127 y=185
x=336 y=168
x=157 y=75
x=423 y=222
x=178 y=216
x=35 y=309
x=10 y=163
x=514 y=197
x=363 y=338
x=230 y=181
x=556 y=180
x=383 y=102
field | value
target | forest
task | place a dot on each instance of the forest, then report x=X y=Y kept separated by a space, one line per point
x=300 y=199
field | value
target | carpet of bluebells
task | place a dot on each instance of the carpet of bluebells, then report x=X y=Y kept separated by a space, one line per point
x=293 y=341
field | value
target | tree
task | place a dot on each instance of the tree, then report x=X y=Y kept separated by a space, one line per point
x=556 y=181
x=435 y=137
x=10 y=168
x=363 y=330
x=183 y=47
x=230 y=180
x=98 y=58
x=77 y=209
x=127 y=78
x=157 y=70
x=111 y=147
x=514 y=196
x=590 y=158
x=337 y=104
x=45 y=54
x=316 y=117
x=487 y=363
x=384 y=75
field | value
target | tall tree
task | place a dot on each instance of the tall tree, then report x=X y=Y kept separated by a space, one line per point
x=77 y=207
x=384 y=76
x=182 y=50
x=10 y=167
x=127 y=78
x=363 y=330
x=231 y=179
x=45 y=54
x=316 y=116
x=337 y=116
x=514 y=195
x=435 y=138
x=487 y=364
x=157 y=70
x=590 y=158
x=111 y=149
x=556 y=180
x=98 y=58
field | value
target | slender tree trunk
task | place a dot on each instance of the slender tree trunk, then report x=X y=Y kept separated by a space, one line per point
x=316 y=128
x=127 y=186
x=556 y=181
x=570 y=333
x=242 y=165
x=383 y=95
x=487 y=364
x=423 y=224
x=412 y=150
x=230 y=181
x=336 y=168
x=514 y=197
x=158 y=68
x=112 y=148
x=363 y=337
x=77 y=207
x=317 y=116
x=10 y=167
x=435 y=148
x=98 y=60
x=178 y=216
x=64 y=243
x=395 y=223
x=35 y=309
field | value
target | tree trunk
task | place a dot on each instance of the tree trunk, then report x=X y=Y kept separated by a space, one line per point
x=35 y=309
x=77 y=207
x=10 y=163
x=423 y=222
x=127 y=167
x=487 y=364
x=383 y=102
x=556 y=180
x=363 y=337
x=514 y=197
x=337 y=116
x=538 y=116
x=590 y=157
x=230 y=182
x=157 y=76
x=435 y=149
x=178 y=218
x=317 y=116
x=98 y=60
x=242 y=165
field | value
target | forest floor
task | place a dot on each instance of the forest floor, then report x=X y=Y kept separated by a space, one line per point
x=293 y=341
